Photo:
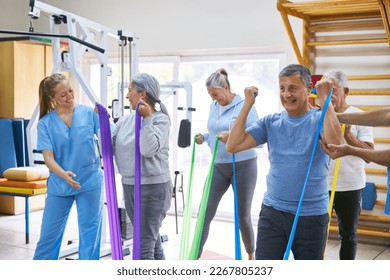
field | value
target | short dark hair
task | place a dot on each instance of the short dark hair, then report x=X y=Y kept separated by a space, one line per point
x=297 y=69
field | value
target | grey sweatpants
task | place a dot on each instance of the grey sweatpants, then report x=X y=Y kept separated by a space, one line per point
x=246 y=177
x=155 y=202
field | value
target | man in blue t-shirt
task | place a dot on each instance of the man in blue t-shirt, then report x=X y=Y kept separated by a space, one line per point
x=290 y=136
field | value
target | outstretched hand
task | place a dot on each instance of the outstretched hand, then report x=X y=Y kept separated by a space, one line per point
x=335 y=151
x=68 y=176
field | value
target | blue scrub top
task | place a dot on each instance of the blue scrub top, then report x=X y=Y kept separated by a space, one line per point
x=75 y=149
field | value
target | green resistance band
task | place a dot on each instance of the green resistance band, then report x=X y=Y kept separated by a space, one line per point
x=202 y=209
x=186 y=231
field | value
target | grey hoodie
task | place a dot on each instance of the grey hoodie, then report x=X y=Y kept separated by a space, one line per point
x=154 y=147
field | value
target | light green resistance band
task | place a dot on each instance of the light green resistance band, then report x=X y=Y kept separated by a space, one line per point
x=186 y=231
x=202 y=209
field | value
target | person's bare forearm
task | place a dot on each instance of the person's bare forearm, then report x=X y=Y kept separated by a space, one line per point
x=240 y=140
x=376 y=117
x=332 y=130
x=237 y=133
x=54 y=167
x=354 y=141
x=52 y=164
x=381 y=157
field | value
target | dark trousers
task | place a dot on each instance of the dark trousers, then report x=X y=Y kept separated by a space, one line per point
x=347 y=206
x=246 y=177
x=155 y=202
x=273 y=232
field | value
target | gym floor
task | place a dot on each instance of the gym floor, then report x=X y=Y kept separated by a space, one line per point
x=13 y=247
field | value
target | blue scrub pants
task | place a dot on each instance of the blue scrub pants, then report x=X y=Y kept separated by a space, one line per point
x=273 y=232
x=55 y=216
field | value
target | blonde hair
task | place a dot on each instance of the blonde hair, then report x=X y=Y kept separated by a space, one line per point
x=47 y=91
x=219 y=79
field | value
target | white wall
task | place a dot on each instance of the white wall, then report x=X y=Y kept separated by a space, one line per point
x=181 y=26
x=173 y=25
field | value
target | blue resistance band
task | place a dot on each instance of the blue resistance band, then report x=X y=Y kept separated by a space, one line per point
x=236 y=217
x=294 y=227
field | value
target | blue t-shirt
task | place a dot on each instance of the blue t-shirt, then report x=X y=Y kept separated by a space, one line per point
x=75 y=149
x=290 y=143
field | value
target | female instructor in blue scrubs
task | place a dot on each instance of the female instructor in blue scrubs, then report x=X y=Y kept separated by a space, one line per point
x=67 y=135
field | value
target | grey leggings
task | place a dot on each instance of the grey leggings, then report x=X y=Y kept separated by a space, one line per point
x=155 y=202
x=246 y=177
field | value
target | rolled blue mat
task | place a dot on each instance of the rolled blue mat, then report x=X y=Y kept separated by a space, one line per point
x=20 y=141
x=7 y=146
x=369 y=196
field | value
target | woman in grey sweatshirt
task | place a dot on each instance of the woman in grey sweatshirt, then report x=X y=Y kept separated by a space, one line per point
x=156 y=185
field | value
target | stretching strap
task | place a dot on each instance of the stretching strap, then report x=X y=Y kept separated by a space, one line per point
x=236 y=217
x=137 y=189
x=333 y=190
x=193 y=255
x=185 y=236
x=110 y=186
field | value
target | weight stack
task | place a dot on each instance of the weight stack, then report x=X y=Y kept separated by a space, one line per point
x=125 y=224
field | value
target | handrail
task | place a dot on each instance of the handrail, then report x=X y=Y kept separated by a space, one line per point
x=51 y=35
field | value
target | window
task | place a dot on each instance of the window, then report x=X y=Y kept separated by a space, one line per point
x=244 y=70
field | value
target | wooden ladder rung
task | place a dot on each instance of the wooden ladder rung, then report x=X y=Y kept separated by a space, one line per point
x=381 y=187
x=384 y=219
x=365 y=217
x=380 y=203
x=368 y=232
x=348 y=42
x=382 y=140
x=376 y=171
x=368 y=107
x=368 y=77
x=360 y=92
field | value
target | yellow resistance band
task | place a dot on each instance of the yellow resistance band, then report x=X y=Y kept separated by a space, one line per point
x=334 y=184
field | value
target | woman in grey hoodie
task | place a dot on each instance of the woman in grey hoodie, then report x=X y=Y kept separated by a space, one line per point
x=156 y=185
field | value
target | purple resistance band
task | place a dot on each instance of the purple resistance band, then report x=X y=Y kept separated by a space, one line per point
x=137 y=190
x=110 y=186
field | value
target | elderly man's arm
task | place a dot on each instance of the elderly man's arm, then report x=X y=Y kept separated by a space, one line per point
x=331 y=133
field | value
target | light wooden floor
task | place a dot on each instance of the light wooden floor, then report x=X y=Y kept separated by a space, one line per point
x=13 y=247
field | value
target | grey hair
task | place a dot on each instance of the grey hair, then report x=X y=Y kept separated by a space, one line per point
x=297 y=69
x=149 y=84
x=337 y=76
x=219 y=79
